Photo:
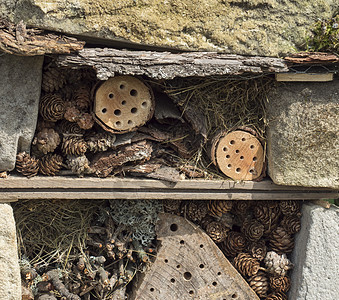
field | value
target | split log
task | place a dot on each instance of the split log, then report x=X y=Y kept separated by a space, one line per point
x=189 y=265
x=104 y=163
x=166 y=65
x=238 y=154
x=18 y=40
x=122 y=104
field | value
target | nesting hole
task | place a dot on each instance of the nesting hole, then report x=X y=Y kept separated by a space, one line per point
x=232 y=142
x=134 y=110
x=243 y=139
x=191 y=292
x=111 y=95
x=182 y=242
x=174 y=227
x=241 y=157
x=219 y=273
x=133 y=93
x=201 y=266
x=151 y=289
x=117 y=112
x=237 y=151
x=238 y=170
x=252 y=146
x=144 y=104
x=229 y=166
x=172 y=280
x=214 y=283
x=255 y=158
x=227 y=156
x=224 y=149
x=118 y=124
x=129 y=122
x=123 y=102
x=234 y=296
x=104 y=110
x=251 y=171
x=122 y=86
x=166 y=261
x=178 y=266
x=201 y=246
x=187 y=276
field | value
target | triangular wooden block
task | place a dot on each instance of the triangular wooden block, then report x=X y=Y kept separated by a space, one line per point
x=190 y=266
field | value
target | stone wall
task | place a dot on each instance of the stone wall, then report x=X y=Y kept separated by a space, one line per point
x=251 y=27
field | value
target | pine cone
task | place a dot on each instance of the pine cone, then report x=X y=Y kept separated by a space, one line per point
x=277 y=264
x=290 y=207
x=218 y=207
x=100 y=142
x=258 y=250
x=246 y=264
x=268 y=215
x=217 y=231
x=241 y=207
x=259 y=283
x=82 y=97
x=196 y=211
x=67 y=127
x=72 y=114
x=206 y=220
x=46 y=140
x=52 y=80
x=66 y=92
x=50 y=164
x=280 y=283
x=170 y=206
x=85 y=121
x=227 y=219
x=291 y=224
x=52 y=107
x=235 y=242
x=78 y=164
x=26 y=165
x=276 y=296
x=280 y=241
x=253 y=230
x=44 y=124
x=73 y=145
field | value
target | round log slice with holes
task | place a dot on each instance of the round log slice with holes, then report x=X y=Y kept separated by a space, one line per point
x=122 y=104
x=239 y=155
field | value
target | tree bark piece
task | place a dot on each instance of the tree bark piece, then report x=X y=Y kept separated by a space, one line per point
x=104 y=163
x=31 y=42
x=239 y=155
x=189 y=266
x=165 y=65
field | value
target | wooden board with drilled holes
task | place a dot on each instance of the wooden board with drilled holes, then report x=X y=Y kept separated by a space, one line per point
x=240 y=155
x=123 y=103
x=189 y=265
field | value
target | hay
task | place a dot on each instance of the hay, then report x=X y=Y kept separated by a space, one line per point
x=53 y=231
x=227 y=103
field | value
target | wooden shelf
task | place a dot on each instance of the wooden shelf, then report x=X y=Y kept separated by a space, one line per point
x=15 y=188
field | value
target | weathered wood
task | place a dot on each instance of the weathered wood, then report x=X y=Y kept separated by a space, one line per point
x=165 y=65
x=189 y=266
x=17 y=40
x=312 y=58
x=315 y=77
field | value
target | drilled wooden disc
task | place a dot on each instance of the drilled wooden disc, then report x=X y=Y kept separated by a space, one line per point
x=240 y=155
x=123 y=103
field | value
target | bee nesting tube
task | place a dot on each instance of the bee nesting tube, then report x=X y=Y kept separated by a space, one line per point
x=238 y=154
x=122 y=104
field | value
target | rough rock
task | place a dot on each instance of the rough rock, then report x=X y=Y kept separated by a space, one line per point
x=251 y=27
x=303 y=134
x=20 y=88
x=10 y=280
x=316 y=255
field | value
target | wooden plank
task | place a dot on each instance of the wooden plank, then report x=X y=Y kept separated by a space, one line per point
x=70 y=182
x=8 y=199
x=166 y=65
x=316 y=77
x=161 y=195
x=189 y=265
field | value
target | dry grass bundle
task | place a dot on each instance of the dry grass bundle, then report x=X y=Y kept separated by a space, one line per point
x=53 y=231
x=228 y=102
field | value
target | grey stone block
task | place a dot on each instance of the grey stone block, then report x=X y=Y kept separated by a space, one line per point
x=10 y=280
x=303 y=134
x=316 y=255
x=20 y=86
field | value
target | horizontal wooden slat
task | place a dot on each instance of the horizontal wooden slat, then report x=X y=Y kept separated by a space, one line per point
x=116 y=188
x=304 y=77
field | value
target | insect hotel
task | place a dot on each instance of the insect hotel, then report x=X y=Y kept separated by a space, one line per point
x=136 y=164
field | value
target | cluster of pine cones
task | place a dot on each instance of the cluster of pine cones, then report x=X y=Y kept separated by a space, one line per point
x=256 y=236
x=62 y=135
